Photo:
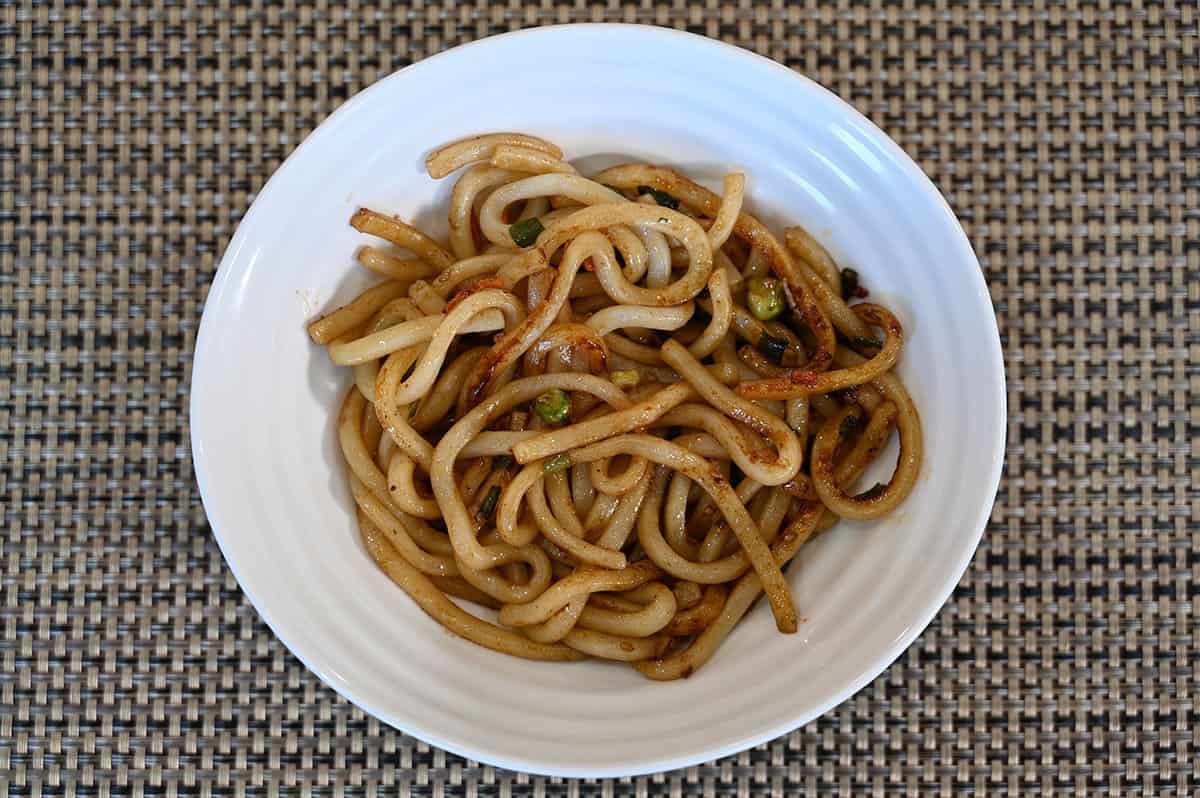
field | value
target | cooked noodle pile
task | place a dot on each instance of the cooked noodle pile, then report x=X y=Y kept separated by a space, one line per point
x=612 y=409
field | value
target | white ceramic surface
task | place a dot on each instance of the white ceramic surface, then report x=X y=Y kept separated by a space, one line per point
x=264 y=398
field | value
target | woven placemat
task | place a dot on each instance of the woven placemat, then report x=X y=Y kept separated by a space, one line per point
x=1067 y=139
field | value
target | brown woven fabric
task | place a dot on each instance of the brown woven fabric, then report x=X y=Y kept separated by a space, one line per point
x=1068 y=141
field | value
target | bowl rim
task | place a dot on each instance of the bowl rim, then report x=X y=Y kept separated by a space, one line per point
x=315 y=661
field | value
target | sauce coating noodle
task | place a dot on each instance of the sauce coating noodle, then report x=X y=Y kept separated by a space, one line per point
x=610 y=410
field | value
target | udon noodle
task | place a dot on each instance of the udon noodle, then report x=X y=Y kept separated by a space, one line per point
x=610 y=409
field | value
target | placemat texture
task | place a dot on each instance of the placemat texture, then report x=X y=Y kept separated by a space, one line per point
x=1067 y=138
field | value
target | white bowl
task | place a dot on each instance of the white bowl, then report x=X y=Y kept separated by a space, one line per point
x=264 y=398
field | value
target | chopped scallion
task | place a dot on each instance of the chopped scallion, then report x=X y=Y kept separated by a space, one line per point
x=559 y=462
x=764 y=296
x=525 y=233
x=772 y=347
x=488 y=505
x=661 y=197
x=625 y=378
x=553 y=406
